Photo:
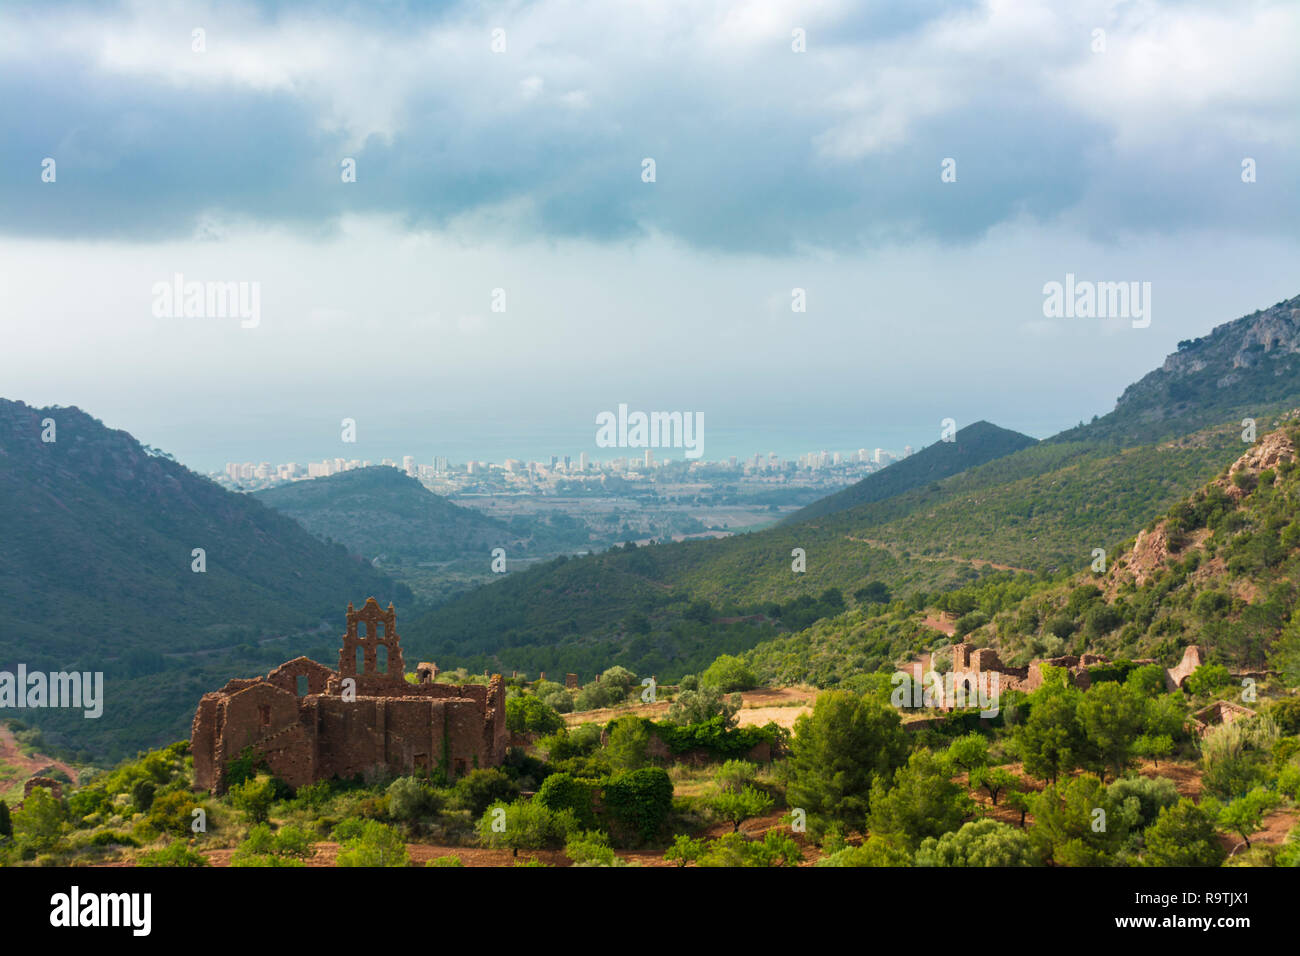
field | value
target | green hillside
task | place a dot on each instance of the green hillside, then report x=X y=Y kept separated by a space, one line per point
x=96 y=541
x=1043 y=509
x=971 y=446
x=380 y=512
x=1220 y=569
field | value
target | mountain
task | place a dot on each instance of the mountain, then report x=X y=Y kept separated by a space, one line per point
x=971 y=446
x=1043 y=508
x=1219 y=569
x=1239 y=368
x=97 y=535
x=382 y=512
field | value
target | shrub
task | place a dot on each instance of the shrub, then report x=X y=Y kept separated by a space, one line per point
x=728 y=674
x=410 y=800
x=530 y=715
x=639 y=801
x=563 y=791
x=377 y=845
x=254 y=798
x=176 y=853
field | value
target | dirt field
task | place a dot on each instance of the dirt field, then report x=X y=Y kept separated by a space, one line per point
x=758 y=707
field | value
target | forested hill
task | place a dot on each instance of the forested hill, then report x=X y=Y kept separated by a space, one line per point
x=382 y=512
x=97 y=535
x=971 y=446
x=1043 y=507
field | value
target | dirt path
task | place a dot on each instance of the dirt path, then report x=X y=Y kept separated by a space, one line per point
x=27 y=766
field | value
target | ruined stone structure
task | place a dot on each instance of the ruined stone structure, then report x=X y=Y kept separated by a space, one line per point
x=311 y=723
x=970 y=662
x=49 y=783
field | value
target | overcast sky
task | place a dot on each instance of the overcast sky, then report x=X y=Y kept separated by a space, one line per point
x=1115 y=156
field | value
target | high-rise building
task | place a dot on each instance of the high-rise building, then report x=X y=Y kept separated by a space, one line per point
x=582 y=462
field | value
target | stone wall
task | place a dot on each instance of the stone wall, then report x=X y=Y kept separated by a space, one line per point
x=303 y=721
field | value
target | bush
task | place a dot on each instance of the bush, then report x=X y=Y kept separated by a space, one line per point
x=524 y=825
x=479 y=789
x=979 y=843
x=173 y=813
x=590 y=848
x=727 y=674
x=176 y=853
x=562 y=791
x=1208 y=678
x=411 y=800
x=377 y=845
x=254 y=797
x=639 y=802
x=529 y=715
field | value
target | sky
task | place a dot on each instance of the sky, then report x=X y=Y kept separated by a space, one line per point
x=504 y=267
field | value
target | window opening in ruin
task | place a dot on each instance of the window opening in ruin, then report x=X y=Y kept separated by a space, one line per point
x=264 y=712
x=381 y=659
x=361 y=660
x=302 y=685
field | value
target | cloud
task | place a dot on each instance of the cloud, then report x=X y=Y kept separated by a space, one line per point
x=758 y=148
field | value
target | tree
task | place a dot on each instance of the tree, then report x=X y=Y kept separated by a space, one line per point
x=1142 y=798
x=38 y=823
x=728 y=673
x=1112 y=716
x=1157 y=748
x=524 y=825
x=1051 y=742
x=6 y=824
x=639 y=801
x=1207 y=678
x=1245 y=815
x=1019 y=800
x=970 y=752
x=979 y=843
x=699 y=706
x=1183 y=835
x=877 y=850
x=1077 y=823
x=629 y=742
x=994 y=780
x=684 y=850
x=563 y=791
x=737 y=806
x=841 y=750
x=254 y=797
x=529 y=715
x=923 y=802
x=378 y=845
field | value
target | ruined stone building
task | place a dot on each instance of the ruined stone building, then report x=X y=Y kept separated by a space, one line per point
x=969 y=663
x=311 y=723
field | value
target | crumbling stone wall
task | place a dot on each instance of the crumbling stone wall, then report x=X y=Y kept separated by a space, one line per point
x=310 y=723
